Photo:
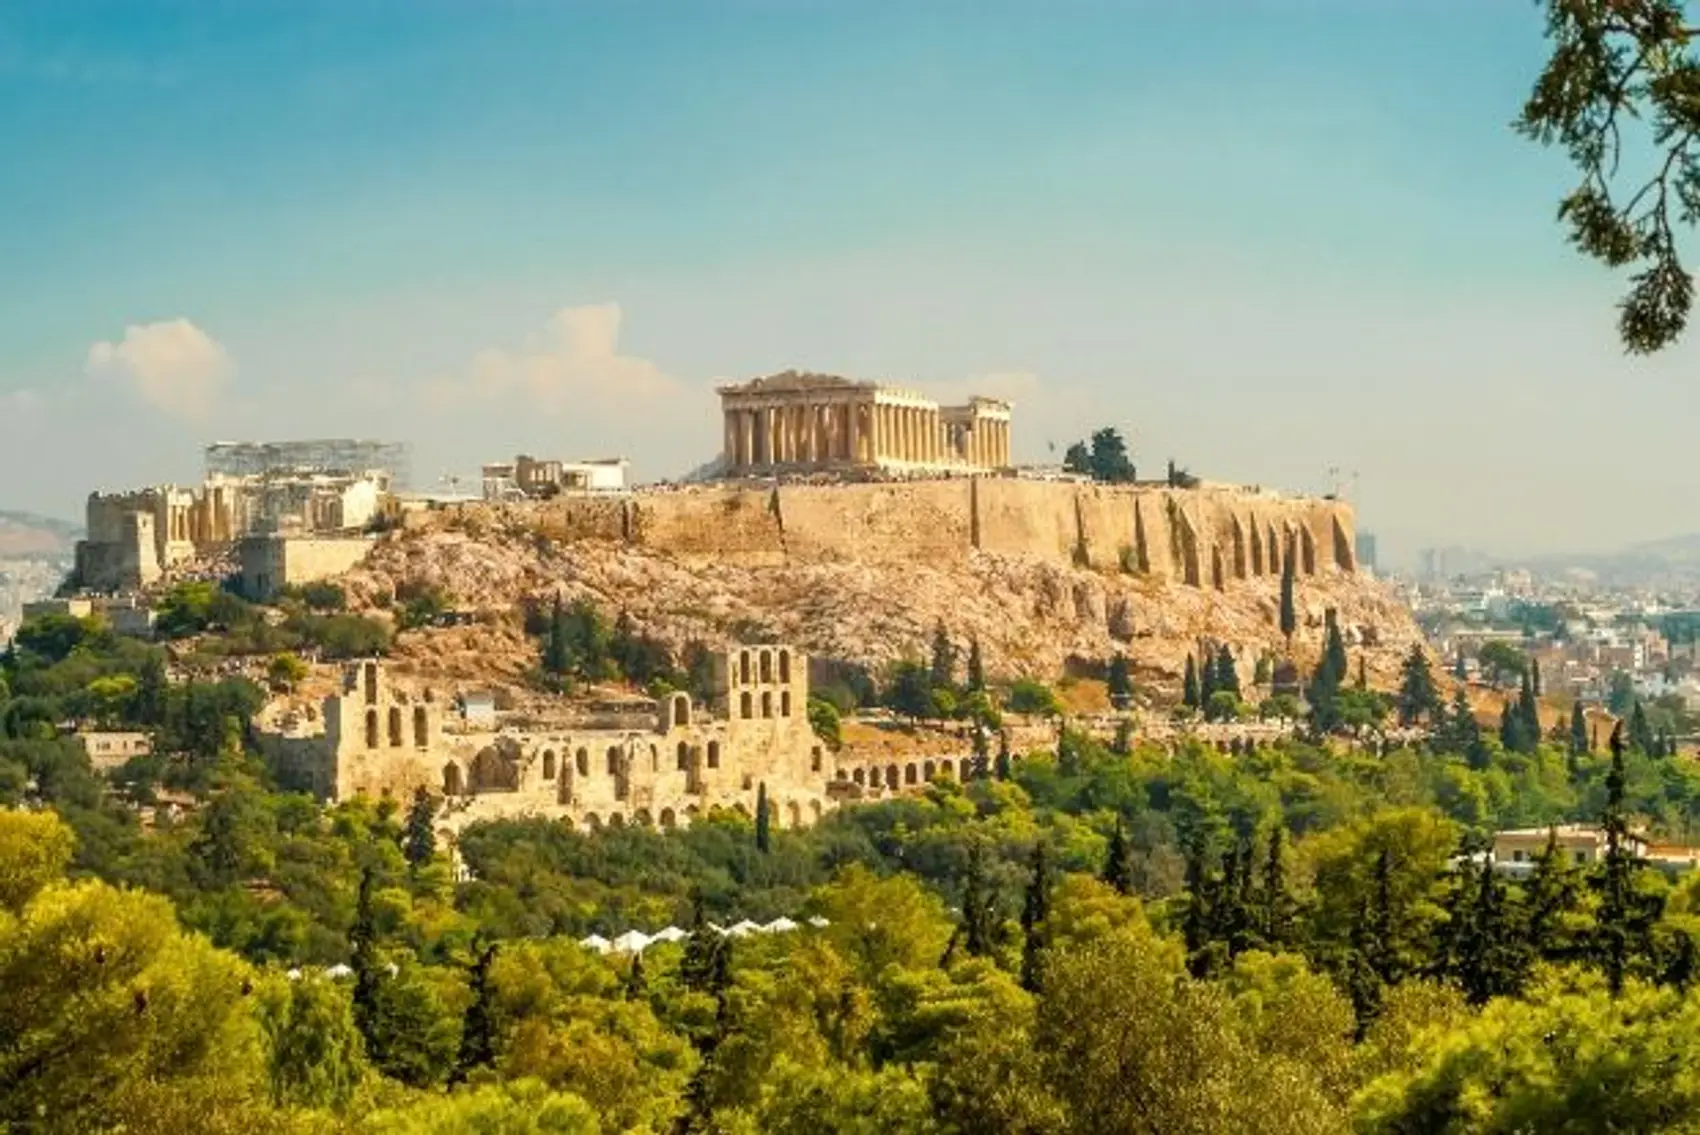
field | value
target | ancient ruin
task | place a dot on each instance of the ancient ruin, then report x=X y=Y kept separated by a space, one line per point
x=251 y=490
x=794 y=422
x=610 y=763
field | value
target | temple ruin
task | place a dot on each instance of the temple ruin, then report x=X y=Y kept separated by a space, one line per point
x=794 y=422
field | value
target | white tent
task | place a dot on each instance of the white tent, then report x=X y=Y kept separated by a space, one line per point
x=595 y=942
x=631 y=942
x=819 y=923
x=742 y=928
x=340 y=970
x=669 y=934
x=780 y=925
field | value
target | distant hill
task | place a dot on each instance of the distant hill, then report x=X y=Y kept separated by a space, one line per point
x=25 y=535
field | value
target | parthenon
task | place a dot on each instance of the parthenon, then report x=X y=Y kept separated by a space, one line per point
x=794 y=421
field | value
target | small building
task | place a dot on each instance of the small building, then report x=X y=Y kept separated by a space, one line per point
x=1516 y=852
x=533 y=478
x=110 y=750
x=478 y=708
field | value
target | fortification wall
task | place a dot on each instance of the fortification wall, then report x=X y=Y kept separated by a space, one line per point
x=878 y=521
x=1205 y=537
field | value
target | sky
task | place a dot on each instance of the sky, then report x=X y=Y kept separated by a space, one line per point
x=1267 y=239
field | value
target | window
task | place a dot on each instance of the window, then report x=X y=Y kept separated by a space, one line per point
x=766 y=666
x=582 y=760
x=766 y=704
x=744 y=705
x=613 y=760
x=371 y=729
x=784 y=665
x=420 y=732
x=395 y=727
x=714 y=752
x=784 y=703
x=814 y=759
x=744 y=667
x=549 y=764
x=684 y=756
x=1517 y=856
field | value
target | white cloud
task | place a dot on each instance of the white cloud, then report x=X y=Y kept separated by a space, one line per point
x=173 y=365
x=573 y=361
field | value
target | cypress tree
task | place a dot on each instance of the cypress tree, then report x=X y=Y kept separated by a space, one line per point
x=1003 y=767
x=1189 y=688
x=1578 y=729
x=1548 y=895
x=1363 y=984
x=1640 y=732
x=1510 y=729
x=1460 y=668
x=1122 y=743
x=1289 y=612
x=1207 y=680
x=763 y=835
x=1035 y=912
x=976 y=667
x=363 y=960
x=1382 y=953
x=1227 y=673
x=1334 y=650
x=1682 y=962
x=1362 y=682
x=1119 y=682
x=981 y=766
x=943 y=673
x=1118 y=863
x=478 y=1024
x=979 y=907
x=421 y=842
x=151 y=691
x=1490 y=960
x=1418 y=697
x=557 y=653
x=698 y=964
x=1625 y=916
x=1200 y=915
x=1278 y=911
x=1535 y=677
x=637 y=983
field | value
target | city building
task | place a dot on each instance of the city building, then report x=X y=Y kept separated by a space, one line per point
x=531 y=478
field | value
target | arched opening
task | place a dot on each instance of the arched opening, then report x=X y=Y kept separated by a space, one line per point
x=784 y=703
x=451 y=779
x=967 y=770
x=814 y=759
x=684 y=757
x=654 y=759
x=745 y=705
x=564 y=789
x=691 y=813
x=681 y=710
x=767 y=666
x=592 y=822
x=548 y=764
x=766 y=704
x=860 y=776
x=814 y=810
x=582 y=760
x=744 y=667
x=641 y=818
x=421 y=734
x=395 y=727
x=370 y=673
x=928 y=770
x=841 y=775
x=714 y=753
x=891 y=776
x=613 y=760
x=784 y=665
x=492 y=772
x=668 y=820
x=616 y=820
x=371 y=729
x=793 y=814
x=911 y=774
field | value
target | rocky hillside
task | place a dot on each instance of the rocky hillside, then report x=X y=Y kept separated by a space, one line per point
x=1031 y=615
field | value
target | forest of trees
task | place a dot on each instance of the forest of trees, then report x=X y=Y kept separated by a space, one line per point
x=1085 y=938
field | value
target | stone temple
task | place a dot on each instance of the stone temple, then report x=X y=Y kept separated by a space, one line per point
x=793 y=422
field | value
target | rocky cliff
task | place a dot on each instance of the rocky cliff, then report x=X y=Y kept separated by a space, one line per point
x=1040 y=573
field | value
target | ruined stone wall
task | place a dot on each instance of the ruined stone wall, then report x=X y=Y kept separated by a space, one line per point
x=272 y=562
x=1205 y=537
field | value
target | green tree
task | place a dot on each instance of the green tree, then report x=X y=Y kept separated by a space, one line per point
x=1626 y=913
x=1191 y=694
x=1078 y=459
x=1549 y=896
x=1002 y=768
x=764 y=837
x=1289 y=612
x=1615 y=63
x=979 y=926
x=943 y=670
x=909 y=692
x=1035 y=913
x=1110 y=461
x=1418 y=696
x=1579 y=745
x=1033 y=698
x=315 y=1057
x=1118 y=862
x=825 y=723
x=1277 y=915
x=1120 y=682
x=1227 y=673
x=478 y=1024
x=420 y=846
x=1641 y=735
x=976 y=667
x=557 y=653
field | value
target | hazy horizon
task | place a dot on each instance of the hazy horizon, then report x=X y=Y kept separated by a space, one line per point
x=1261 y=238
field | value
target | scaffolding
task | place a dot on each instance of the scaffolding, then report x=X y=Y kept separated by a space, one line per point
x=349 y=456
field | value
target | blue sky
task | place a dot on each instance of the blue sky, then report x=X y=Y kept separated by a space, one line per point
x=1263 y=238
